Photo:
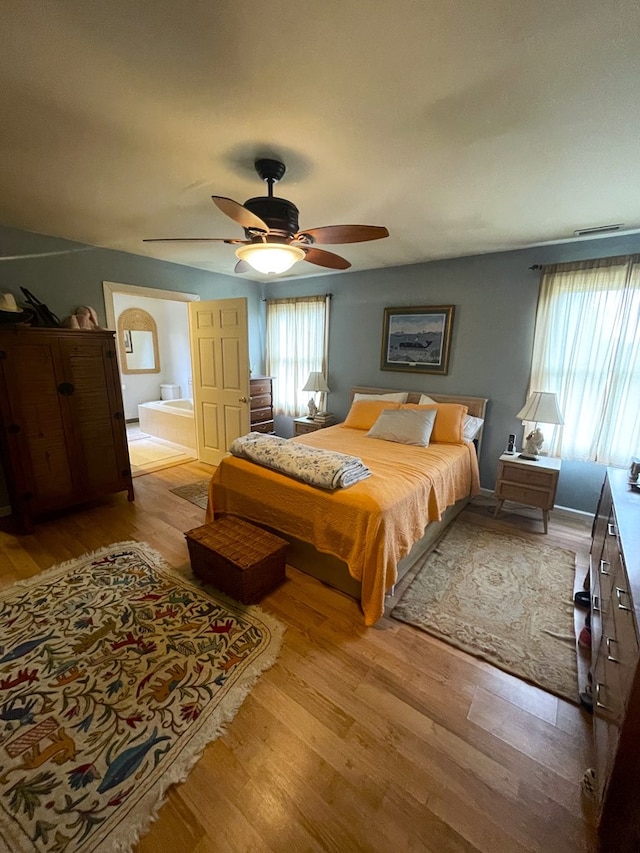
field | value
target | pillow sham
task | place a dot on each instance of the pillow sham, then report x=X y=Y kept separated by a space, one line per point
x=404 y=426
x=399 y=397
x=448 y=426
x=364 y=413
x=425 y=400
x=471 y=427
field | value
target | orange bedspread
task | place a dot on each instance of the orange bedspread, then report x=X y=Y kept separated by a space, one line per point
x=370 y=525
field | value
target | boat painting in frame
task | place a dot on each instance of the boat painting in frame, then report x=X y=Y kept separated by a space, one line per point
x=417 y=340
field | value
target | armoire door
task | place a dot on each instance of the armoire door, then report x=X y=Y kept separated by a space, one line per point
x=38 y=434
x=96 y=411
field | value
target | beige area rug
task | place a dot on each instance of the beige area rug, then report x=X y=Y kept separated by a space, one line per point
x=502 y=598
x=115 y=672
x=147 y=455
x=195 y=493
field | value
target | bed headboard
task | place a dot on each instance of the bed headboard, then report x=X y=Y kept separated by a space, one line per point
x=477 y=406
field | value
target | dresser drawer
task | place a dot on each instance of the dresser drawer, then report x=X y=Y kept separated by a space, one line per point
x=263 y=426
x=301 y=429
x=527 y=476
x=260 y=401
x=606 y=736
x=506 y=491
x=607 y=697
x=624 y=648
x=260 y=386
x=258 y=415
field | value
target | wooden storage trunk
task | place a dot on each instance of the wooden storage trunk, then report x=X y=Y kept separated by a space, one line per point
x=238 y=558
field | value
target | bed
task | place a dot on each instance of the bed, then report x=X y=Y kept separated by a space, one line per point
x=361 y=539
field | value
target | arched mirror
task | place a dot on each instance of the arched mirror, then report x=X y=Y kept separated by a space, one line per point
x=138 y=342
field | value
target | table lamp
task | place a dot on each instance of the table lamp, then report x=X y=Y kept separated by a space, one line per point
x=316 y=382
x=541 y=407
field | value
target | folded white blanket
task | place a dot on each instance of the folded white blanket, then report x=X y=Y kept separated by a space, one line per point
x=324 y=468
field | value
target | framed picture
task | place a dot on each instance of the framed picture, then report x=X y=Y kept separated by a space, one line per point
x=417 y=340
x=128 y=343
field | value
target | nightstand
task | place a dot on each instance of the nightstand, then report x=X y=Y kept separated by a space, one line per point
x=529 y=482
x=304 y=425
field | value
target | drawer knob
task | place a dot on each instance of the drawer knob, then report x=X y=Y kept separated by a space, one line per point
x=600 y=704
x=610 y=657
x=619 y=593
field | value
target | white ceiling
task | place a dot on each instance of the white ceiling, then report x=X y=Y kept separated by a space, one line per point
x=464 y=127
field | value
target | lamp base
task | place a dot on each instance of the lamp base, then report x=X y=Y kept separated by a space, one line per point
x=528 y=456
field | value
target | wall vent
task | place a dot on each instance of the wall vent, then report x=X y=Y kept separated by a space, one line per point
x=598 y=229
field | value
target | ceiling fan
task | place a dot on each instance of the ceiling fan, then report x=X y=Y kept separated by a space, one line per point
x=273 y=242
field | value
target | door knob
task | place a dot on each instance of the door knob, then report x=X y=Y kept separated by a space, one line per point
x=243 y=400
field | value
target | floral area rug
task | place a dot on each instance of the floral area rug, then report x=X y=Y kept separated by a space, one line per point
x=115 y=672
x=195 y=493
x=502 y=598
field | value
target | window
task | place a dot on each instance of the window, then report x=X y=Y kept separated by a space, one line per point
x=587 y=350
x=297 y=336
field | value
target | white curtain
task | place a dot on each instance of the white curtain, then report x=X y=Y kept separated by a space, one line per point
x=297 y=336
x=587 y=351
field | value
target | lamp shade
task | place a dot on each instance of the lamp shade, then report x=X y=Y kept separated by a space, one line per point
x=316 y=382
x=270 y=258
x=541 y=407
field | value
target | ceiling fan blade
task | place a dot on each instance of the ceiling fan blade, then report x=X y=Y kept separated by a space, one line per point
x=192 y=240
x=242 y=266
x=325 y=259
x=344 y=233
x=240 y=214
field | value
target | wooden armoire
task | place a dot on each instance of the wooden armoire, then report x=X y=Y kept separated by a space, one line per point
x=62 y=430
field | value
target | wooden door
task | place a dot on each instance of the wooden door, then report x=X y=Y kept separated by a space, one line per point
x=220 y=362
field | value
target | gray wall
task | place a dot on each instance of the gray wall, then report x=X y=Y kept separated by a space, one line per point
x=75 y=278
x=495 y=298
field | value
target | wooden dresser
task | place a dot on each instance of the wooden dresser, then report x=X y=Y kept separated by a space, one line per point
x=62 y=430
x=615 y=658
x=261 y=390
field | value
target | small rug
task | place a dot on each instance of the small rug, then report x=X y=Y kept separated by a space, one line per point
x=148 y=455
x=501 y=598
x=195 y=493
x=115 y=672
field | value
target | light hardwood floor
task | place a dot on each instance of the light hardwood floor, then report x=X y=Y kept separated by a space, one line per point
x=357 y=739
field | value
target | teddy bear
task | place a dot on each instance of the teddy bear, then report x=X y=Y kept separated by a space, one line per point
x=82 y=318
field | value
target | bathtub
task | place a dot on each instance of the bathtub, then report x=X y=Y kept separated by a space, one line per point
x=171 y=420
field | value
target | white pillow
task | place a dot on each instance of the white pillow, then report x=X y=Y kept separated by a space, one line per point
x=401 y=397
x=471 y=427
x=425 y=400
x=406 y=426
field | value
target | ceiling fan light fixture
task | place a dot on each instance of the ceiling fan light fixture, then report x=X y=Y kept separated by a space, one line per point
x=270 y=258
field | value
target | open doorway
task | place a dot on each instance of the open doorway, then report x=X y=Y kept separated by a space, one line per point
x=159 y=435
